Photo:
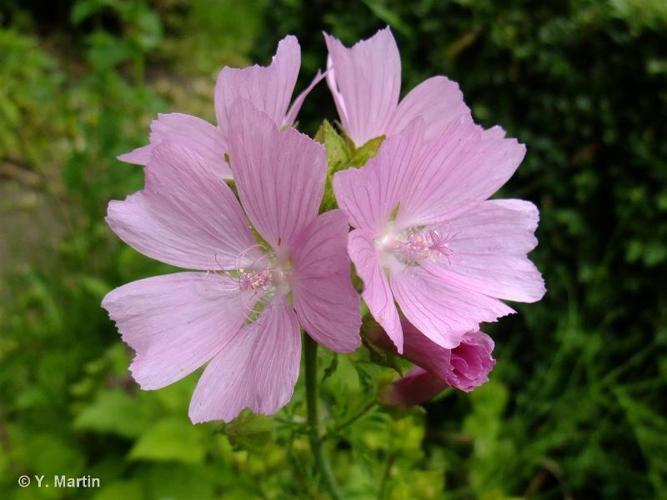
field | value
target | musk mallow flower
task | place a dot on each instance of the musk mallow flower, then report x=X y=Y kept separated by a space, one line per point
x=365 y=81
x=465 y=367
x=267 y=265
x=270 y=90
x=427 y=239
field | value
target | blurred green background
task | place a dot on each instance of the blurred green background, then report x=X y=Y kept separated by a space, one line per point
x=577 y=406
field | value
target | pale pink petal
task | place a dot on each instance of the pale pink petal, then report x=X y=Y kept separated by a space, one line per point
x=279 y=175
x=325 y=300
x=183 y=216
x=371 y=195
x=438 y=101
x=256 y=370
x=175 y=323
x=365 y=81
x=268 y=88
x=458 y=170
x=488 y=246
x=377 y=293
x=195 y=134
x=298 y=102
x=138 y=156
x=442 y=310
x=416 y=387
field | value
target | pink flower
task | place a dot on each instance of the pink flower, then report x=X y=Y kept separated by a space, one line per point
x=427 y=237
x=271 y=265
x=465 y=367
x=365 y=81
x=268 y=88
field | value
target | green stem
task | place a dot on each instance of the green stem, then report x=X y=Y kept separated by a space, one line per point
x=313 y=419
x=367 y=408
x=382 y=494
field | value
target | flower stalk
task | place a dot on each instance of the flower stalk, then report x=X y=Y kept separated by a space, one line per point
x=313 y=423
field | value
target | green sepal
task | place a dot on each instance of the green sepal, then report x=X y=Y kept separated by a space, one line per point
x=339 y=152
x=342 y=154
x=361 y=155
x=377 y=354
x=338 y=157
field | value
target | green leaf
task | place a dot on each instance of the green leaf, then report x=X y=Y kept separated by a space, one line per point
x=120 y=489
x=388 y=16
x=94 y=285
x=170 y=439
x=383 y=357
x=331 y=368
x=84 y=9
x=48 y=453
x=114 y=412
x=650 y=428
x=177 y=481
x=106 y=51
x=249 y=430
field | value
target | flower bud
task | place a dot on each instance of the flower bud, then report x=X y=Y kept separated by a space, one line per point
x=465 y=367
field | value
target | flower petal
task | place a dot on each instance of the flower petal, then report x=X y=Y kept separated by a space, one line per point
x=488 y=247
x=442 y=310
x=465 y=367
x=279 y=175
x=425 y=353
x=183 y=216
x=377 y=293
x=372 y=194
x=365 y=81
x=298 y=102
x=325 y=300
x=268 y=88
x=138 y=156
x=175 y=323
x=257 y=370
x=438 y=101
x=471 y=362
x=190 y=132
x=416 y=387
x=457 y=171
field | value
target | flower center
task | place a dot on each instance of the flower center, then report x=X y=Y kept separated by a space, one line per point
x=413 y=246
x=262 y=281
x=250 y=280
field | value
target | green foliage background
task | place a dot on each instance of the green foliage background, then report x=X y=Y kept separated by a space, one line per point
x=576 y=407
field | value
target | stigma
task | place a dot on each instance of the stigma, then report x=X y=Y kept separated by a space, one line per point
x=252 y=280
x=415 y=246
